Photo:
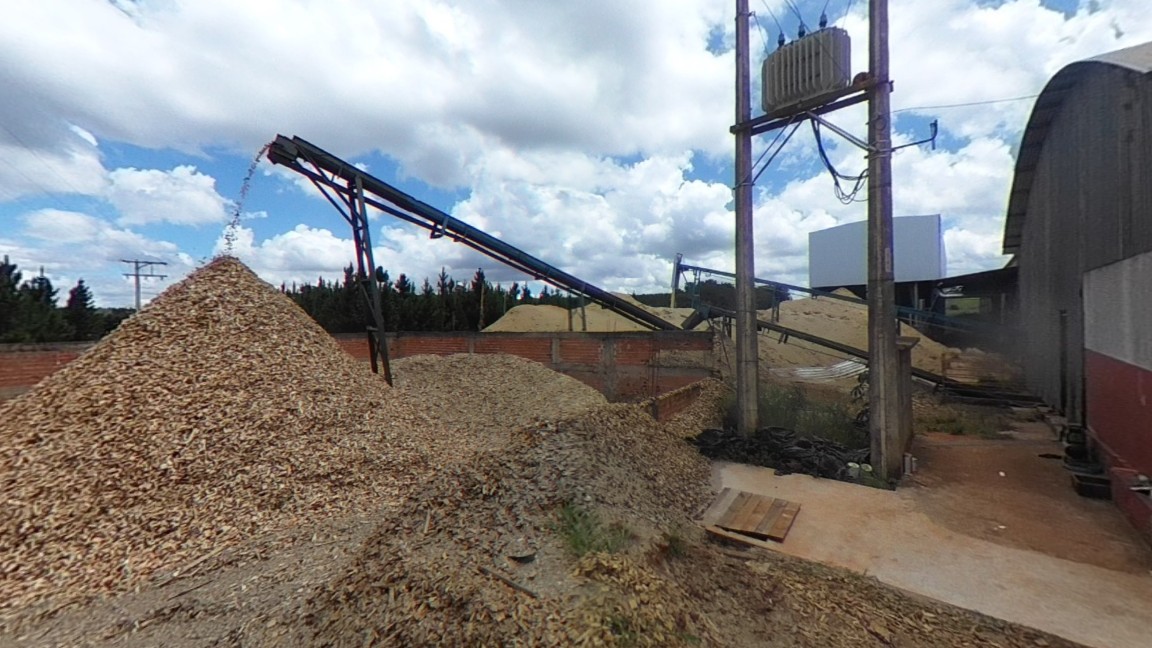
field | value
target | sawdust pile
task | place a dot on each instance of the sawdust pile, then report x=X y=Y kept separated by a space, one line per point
x=218 y=412
x=529 y=318
x=479 y=399
x=476 y=558
x=836 y=320
x=847 y=323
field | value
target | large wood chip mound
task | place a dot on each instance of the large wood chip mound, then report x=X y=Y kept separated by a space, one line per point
x=481 y=398
x=218 y=412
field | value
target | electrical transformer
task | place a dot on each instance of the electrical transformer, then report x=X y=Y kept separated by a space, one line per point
x=807 y=67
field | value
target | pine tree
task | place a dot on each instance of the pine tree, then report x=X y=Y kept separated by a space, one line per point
x=37 y=318
x=9 y=297
x=80 y=314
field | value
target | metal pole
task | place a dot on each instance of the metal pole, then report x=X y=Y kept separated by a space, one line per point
x=747 y=353
x=886 y=417
x=136 y=274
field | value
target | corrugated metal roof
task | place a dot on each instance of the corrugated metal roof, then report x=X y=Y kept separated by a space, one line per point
x=1048 y=105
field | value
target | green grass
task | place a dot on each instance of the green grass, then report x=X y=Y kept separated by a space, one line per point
x=791 y=408
x=988 y=425
x=584 y=532
x=674 y=544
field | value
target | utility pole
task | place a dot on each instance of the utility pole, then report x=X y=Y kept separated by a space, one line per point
x=747 y=352
x=885 y=408
x=137 y=267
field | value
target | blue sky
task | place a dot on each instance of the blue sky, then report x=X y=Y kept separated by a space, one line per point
x=592 y=133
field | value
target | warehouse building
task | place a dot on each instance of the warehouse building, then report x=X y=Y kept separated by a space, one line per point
x=1080 y=224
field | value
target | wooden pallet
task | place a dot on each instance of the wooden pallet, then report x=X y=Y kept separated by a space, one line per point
x=755 y=516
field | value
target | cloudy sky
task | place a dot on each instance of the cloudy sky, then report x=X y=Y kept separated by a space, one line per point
x=591 y=133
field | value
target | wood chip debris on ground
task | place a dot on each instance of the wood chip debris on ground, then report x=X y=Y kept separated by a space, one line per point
x=427 y=575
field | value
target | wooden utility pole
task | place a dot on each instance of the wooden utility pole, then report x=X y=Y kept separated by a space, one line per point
x=137 y=267
x=885 y=411
x=747 y=353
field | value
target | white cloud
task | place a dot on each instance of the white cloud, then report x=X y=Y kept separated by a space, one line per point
x=183 y=196
x=72 y=245
x=427 y=82
x=68 y=169
x=300 y=255
x=573 y=125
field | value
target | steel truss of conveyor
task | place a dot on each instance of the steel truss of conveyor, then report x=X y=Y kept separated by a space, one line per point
x=913 y=315
x=356 y=190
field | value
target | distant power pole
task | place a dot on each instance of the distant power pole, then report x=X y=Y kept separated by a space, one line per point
x=142 y=269
x=747 y=353
x=885 y=409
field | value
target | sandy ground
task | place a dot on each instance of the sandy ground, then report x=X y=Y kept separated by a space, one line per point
x=1022 y=547
x=1004 y=492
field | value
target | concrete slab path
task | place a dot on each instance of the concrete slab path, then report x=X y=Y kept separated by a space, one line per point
x=887 y=535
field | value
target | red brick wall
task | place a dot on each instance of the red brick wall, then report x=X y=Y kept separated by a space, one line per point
x=622 y=366
x=24 y=365
x=671 y=403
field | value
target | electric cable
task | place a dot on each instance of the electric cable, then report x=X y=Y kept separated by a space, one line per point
x=858 y=181
x=847 y=11
x=967 y=104
x=768 y=162
x=765 y=152
x=760 y=29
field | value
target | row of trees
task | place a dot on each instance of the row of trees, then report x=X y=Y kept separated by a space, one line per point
x=29 y=311
x=446 y=305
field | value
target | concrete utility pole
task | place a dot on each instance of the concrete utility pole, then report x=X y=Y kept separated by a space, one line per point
x=137 y=267
x=747 y=352
x=883 y=381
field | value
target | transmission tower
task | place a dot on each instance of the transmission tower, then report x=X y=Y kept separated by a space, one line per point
x=142 y=269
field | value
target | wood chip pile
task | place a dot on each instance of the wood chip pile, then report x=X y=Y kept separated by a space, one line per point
x=476 y=558
x=220 y=411
x=480 y=398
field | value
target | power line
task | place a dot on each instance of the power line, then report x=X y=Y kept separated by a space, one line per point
x=967 y=104
x=796 y=11
x=763 y=33
x=768 y=162
x=847 y=11
x=139 y=265
x=768 y=148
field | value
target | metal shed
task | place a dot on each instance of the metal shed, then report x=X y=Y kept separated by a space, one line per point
x=1081 y=199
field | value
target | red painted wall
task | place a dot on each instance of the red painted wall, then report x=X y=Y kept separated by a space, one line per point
x=1119 y=399
x=1120 y=410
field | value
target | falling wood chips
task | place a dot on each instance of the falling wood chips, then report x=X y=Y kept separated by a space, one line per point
x=218 y=412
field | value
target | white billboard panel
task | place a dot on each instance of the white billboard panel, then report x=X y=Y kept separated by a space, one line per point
x=838 y=256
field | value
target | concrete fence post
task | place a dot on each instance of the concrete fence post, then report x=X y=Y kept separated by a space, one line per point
x=895 y=462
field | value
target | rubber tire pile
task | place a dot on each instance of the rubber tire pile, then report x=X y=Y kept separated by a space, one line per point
x=782 y=449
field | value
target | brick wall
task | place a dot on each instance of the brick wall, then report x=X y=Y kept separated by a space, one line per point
x=669 y=404
x=623 y=366
x=24 y=365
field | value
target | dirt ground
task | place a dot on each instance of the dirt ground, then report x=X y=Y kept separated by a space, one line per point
x=207 y=602
x=1005 y=491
